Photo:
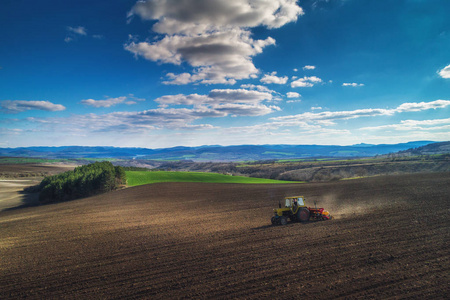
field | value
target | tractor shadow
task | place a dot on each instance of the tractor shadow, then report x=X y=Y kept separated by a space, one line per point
x=264 y=227
x=288 y=225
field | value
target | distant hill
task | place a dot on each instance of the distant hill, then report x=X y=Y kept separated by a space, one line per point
x=216 y=153
x=430 y=149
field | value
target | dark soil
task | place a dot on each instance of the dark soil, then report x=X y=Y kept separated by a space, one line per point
x=390 y=239
x=32 y=170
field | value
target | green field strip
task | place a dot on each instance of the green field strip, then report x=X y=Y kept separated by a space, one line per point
x=135 y=178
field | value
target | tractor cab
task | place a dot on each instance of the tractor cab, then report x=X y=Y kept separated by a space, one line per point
x=291 y=202
x=291 y=206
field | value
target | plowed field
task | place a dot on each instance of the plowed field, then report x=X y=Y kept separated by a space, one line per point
x=390 y=239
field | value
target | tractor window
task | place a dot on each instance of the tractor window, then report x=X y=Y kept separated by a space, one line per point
x=288 y=202
x=300 y=201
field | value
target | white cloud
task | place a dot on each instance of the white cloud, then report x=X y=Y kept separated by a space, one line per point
x=260 y=88
x=274 y=129
x=153 y=119
x=309 y=67
x=239 y=95
x=217 y=57
x=329 y=117
x=212 y=36
x=149 y=120
x=316 y=108
x=111 y=101
x=306 y=81
x=10 y=131
x=295 y=69
x=16 y=106
x=80 y=30
x=168 y=125
x=227 y=101
x=245 y=109
x=181 y=99
x=319 y=125
x=405 y=107
x=74 y=32
x=406 y=125
x=184 y=78
x=218 y=103
x=203 y=15
x=353 y=84
x=104 y=103
x=445 y=72
x=293 y=95
x=272 y=78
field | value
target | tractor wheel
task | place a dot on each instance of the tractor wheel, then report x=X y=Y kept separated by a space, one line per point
x=283 y=220
x=273 y=220
x=303 y=215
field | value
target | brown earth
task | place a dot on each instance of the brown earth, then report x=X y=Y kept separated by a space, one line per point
x=390 y=239
x=15 y=177
x=8 y=171
x=12 y=193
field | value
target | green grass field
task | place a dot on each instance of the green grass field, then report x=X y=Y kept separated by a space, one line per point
x=135 y=178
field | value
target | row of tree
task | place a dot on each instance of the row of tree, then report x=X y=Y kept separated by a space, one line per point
x=83 y=181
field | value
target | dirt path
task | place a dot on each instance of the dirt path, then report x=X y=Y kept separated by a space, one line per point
x=191 y=240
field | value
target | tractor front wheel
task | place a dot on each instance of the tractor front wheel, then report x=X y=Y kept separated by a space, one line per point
x=283 y=220
x=273 y=220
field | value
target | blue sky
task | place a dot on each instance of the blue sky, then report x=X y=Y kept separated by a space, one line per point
x=162 y=73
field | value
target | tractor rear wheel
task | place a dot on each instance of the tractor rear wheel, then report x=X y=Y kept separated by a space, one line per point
x=283 y=220
x=303 y=215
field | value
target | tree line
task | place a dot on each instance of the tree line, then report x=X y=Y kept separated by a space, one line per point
x=84 y=181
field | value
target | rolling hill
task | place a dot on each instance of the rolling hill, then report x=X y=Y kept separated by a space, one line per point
x=214 y=153
x=430 y=149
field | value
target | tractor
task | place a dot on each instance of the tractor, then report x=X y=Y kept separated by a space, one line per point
x=296 y=210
